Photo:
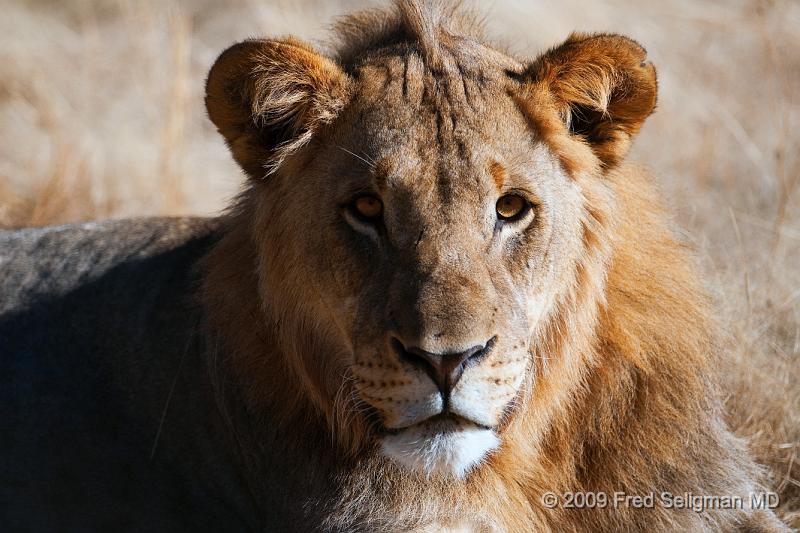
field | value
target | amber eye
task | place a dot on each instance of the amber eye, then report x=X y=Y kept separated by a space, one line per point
x=368 y=207
x=511 y=206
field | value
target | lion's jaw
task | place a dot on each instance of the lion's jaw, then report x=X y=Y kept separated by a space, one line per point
x=445 y=447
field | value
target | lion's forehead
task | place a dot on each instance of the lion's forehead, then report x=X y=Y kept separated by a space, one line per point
x=467 y=77
x=400 y=94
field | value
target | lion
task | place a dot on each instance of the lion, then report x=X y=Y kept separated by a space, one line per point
x=443 y=301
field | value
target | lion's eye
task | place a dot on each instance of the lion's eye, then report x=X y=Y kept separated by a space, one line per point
x=368 y=207
x=511 y=207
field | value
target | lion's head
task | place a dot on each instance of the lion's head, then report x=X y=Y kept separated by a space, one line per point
x=426 y=212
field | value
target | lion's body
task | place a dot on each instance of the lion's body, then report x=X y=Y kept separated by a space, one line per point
x=440 y=296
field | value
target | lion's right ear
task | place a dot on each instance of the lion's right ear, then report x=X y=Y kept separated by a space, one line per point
x=269 y=97
x=603 y=89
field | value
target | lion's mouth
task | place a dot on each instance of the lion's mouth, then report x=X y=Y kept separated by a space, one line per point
x=446 y=444
x=440 y=423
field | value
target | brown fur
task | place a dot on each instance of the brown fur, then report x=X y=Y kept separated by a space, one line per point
x=617 y=390
x=498 y=174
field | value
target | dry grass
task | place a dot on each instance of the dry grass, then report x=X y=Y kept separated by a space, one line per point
x=101 y=115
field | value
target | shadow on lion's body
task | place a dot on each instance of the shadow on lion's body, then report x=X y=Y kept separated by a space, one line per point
x=98 y=321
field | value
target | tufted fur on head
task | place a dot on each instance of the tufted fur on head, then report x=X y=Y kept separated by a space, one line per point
x=597 y=345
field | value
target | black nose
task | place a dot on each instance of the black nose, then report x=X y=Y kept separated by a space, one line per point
x=445 y=369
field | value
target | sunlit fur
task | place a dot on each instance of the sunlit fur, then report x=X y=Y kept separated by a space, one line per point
x=602 y=378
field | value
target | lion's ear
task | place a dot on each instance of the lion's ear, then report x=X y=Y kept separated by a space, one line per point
x=603 y=89
x=269 y=97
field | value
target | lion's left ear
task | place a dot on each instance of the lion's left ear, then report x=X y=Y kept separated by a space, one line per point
x=602 y=88
x=268 y=97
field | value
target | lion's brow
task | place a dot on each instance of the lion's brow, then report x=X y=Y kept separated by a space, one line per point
x=379 y=169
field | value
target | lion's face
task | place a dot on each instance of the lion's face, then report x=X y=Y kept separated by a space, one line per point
x=416 y=235
x=437 y=233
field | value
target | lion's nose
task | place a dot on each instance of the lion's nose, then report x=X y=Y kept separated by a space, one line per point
x=445 y=369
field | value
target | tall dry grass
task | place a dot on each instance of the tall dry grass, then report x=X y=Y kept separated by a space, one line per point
x=101 y=115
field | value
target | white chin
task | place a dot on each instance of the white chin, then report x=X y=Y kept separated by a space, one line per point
x=450 y=451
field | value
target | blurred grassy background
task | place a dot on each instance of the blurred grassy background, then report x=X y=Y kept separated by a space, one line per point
x=101 y=115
